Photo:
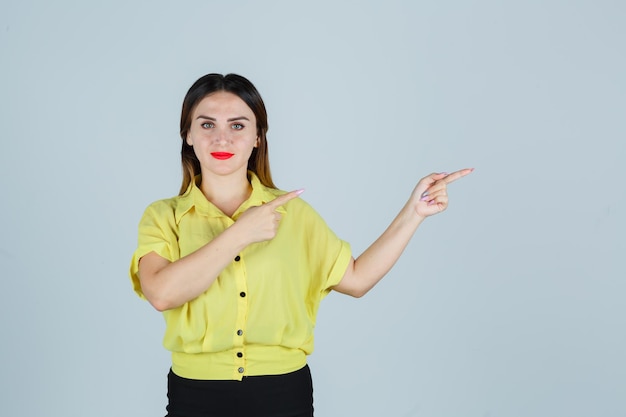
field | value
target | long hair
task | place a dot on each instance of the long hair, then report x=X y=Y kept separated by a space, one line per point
x=245 y=90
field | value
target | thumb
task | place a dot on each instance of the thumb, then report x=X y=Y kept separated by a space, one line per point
x=425 y=183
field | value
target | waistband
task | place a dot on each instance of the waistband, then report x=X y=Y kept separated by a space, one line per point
x=234 y=364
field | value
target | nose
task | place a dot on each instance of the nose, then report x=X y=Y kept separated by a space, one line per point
x=221 y=137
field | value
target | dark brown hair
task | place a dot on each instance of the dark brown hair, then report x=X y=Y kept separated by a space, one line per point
x=245 y=90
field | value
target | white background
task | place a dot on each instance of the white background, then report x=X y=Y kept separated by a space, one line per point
x=511 y=303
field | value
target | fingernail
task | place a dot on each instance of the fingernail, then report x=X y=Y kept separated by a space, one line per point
x=300 y=191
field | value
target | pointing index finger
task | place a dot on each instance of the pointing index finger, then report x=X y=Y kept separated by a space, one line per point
x=280 y=200
x=456 y=175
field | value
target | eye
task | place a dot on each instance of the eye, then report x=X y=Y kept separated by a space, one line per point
x=237 y=126
x=207 y=125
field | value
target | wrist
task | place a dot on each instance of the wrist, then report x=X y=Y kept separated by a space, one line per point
x=237 y=237
x=411 y=216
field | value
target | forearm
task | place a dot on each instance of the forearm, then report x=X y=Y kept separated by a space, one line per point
x=428 y=198
x=181 y=281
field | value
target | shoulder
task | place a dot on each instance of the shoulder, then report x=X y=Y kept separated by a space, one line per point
x=303 y=211
x=165 y=208
x=164 y=205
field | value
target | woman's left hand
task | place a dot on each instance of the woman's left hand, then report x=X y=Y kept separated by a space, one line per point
x=430 y=195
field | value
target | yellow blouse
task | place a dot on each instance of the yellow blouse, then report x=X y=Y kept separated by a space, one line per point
x=258 y=317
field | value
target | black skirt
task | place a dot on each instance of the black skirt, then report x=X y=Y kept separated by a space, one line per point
x=288 y=395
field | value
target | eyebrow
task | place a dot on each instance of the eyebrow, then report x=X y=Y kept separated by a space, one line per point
x=213 y=119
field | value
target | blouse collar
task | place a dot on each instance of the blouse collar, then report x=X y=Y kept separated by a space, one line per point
x=195 y=198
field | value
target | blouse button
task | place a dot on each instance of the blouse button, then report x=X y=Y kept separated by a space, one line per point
x=242 y=294
x=239 y=354
x=240 y=370
x=239 y=332
x=237 y=258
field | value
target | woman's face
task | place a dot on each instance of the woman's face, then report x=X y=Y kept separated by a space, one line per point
x=223 y=134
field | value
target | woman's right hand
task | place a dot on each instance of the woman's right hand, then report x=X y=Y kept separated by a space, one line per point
x=260 y=223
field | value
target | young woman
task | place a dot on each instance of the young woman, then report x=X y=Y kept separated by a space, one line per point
x=239 y=268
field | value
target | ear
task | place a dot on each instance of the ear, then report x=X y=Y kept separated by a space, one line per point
x=256 y=142
x=188 y=140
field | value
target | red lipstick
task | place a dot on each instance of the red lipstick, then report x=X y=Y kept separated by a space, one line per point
x=221 y=155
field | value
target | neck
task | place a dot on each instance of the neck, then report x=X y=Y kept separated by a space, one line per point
x=226 y=192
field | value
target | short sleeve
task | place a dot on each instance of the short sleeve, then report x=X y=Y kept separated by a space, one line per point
x=157 y=233
x=328 y=256
x=339 y=267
